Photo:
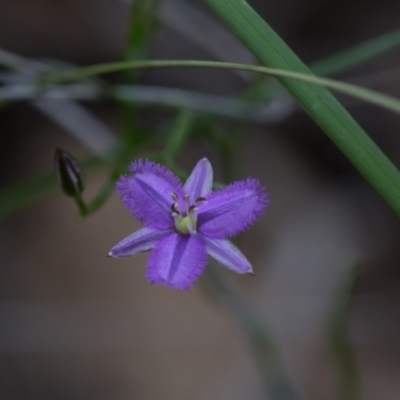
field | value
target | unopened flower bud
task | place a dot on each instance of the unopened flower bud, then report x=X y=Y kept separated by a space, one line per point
x=69 y=174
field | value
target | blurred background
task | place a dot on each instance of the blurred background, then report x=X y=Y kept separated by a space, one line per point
x=75 y=324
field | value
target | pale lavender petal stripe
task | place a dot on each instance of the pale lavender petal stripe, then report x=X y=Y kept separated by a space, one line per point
x=177 y=261
x=232 y=210
x=141 y=240
x=229 y=255
x=200 y=180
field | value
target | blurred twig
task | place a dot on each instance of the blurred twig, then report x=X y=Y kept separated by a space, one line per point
x=70 y=115
x=17 y=62
x=266 y=112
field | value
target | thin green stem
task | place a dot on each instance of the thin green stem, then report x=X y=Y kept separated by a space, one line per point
x=83 y=208
x=101 y=198
x=367 y=95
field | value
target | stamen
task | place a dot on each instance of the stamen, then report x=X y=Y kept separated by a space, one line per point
x=192 y=209
x=200 y=200
x=175 y=209
x=186 y=198
x=185 y=220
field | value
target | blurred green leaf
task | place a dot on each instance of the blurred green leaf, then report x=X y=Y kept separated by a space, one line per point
x=142 y=24
x=339 y=342
x=143 y=20
x=179 y=135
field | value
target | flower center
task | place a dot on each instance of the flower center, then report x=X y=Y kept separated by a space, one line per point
x=184 y=214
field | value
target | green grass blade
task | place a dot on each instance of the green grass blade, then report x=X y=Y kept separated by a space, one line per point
x=326 y=111
x=356 y=55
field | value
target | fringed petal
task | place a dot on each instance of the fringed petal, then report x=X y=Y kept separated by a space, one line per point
x=141 y=240
x=147 y=194
x=200 y=180
x=228 y=255
x=232 y=210
x=177 y=261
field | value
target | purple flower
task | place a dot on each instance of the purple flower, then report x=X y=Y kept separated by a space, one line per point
x=184 y=223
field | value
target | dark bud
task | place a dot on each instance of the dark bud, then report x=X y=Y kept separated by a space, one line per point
x=69 y=174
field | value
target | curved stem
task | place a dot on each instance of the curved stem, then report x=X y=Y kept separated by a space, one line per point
x=368 y=95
